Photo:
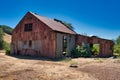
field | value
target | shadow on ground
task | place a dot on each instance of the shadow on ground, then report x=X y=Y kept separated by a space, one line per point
x=38 y=58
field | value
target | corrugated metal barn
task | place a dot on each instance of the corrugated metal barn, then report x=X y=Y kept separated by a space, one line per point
x=36 y=35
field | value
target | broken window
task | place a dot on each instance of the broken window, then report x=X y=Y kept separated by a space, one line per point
x=28 y=27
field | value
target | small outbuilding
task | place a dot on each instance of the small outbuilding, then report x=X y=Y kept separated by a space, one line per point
x=105 y=45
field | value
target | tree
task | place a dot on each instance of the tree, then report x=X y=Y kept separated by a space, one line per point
x=117 y=46
x=69 y=25
x=1 y=39
x=6 y=29
x=118 y=40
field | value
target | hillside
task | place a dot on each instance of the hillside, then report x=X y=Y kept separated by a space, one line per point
x=7 y=33
x=6 y=29
x=7 y=38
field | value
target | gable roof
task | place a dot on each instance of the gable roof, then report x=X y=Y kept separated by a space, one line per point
x=54 y=25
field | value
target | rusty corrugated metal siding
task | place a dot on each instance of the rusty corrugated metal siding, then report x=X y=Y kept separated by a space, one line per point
x=54 y=25
x=42 y=37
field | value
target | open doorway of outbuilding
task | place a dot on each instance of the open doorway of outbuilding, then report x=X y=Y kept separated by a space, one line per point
x=95 y=48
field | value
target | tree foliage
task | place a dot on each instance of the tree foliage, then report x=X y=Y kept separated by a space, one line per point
x=68 y=25
x=118 y=40
x=1 y=39
x=81 y=51
x=117 y=49
x=95 y=49
x=117 y=46
x=7 y=48
x=6 y=29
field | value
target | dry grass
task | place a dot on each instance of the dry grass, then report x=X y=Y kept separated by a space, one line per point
x=7 y=38
x=12 y=68
x=2 y=51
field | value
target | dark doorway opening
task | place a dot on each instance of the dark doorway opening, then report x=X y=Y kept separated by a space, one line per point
x=64 y=45
x=30 y=43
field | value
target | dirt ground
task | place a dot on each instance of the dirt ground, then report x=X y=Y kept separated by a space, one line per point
x=29 y=68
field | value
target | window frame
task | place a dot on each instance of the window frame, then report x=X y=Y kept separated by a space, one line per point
x=28 y=27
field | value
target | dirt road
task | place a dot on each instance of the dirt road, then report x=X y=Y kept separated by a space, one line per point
x=28 y=68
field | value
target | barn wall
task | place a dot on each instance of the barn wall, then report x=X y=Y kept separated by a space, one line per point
x=42 y=37
x=71 y=45
x=106 y=46
x=59 y=43
x=81 y=39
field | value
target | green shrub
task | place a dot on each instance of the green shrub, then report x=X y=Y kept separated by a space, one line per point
x=117 y=51
x=76 y=52
x=95 y=49
x=7 y=51
x=6 y=45
x=7 y=48
x=1 y=39
x=81 y=51
x=85 y=51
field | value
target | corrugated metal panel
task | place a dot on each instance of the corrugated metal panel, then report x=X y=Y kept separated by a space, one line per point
x=57 y=26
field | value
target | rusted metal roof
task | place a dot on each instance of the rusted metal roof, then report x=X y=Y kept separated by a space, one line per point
x=54 y=25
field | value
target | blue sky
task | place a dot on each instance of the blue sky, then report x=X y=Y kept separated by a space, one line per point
x=94 y=17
